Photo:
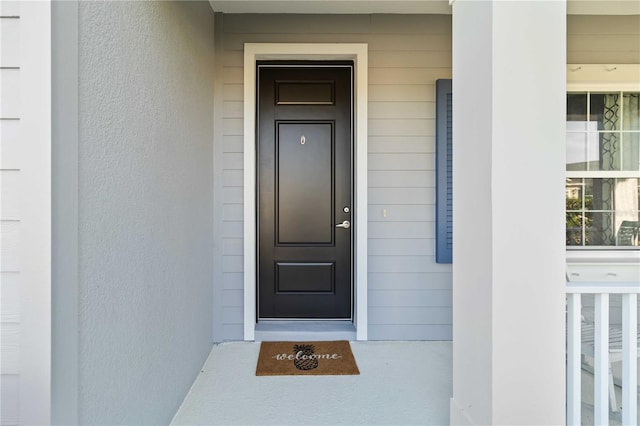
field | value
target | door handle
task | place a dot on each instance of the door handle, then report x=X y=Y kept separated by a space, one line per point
x=346 y=225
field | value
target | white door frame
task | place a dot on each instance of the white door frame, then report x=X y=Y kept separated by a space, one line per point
x=292 y=51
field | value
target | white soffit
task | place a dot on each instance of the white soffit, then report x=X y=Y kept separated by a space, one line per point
x=574 y=7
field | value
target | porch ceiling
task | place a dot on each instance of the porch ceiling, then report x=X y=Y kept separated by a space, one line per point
x=574 y=7
x=332 y=6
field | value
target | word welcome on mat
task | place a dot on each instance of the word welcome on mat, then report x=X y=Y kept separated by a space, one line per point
x=306 y=358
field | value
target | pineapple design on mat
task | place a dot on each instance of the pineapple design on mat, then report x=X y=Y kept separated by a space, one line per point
x=305 y=358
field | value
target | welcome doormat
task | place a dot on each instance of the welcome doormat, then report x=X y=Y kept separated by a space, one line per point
x=306 y=358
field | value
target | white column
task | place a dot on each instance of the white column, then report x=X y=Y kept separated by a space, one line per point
x=574 y=364
x=508 y=261
x=601 y=360
x=35 y=238
x=629 y=358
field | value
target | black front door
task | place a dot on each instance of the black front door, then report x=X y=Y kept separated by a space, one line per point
x=304 y=190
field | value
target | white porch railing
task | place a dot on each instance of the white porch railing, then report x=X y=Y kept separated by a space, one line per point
x=606 y=344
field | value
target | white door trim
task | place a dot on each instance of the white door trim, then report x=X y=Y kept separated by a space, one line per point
x=288 y=51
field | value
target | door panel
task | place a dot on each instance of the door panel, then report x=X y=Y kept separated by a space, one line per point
x=305 y=277
x=304 y=184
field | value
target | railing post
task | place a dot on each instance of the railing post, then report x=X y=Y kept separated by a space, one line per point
x=601 y=360
x=629 y=355
x=574 y=324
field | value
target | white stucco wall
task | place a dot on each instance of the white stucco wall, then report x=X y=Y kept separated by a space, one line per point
x=145 y=208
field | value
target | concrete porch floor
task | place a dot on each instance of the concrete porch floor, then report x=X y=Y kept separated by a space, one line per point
x=399 y=383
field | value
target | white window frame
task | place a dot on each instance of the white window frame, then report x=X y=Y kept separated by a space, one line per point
x=602 y=78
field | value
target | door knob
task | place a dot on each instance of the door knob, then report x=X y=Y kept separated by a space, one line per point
x=346 y=225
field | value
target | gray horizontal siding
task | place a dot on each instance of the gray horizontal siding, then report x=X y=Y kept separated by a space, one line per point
x=380 y=281
x=339 y=24
x=400 y=246
x=603 y=39
x=401 y=144
x=398 y=178
x=410 y=315
x=400 y=213
x=377 y=42
x=233 y=281
x=409 y=294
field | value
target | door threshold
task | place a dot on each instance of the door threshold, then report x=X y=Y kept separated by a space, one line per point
x=267 y=330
